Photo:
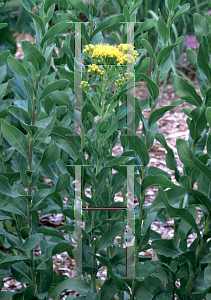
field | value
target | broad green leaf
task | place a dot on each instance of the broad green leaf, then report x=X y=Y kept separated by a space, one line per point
x=21 y=272
x=200 y=198
x=69 y=147
x=150 y=50
x=15 y=138
x=13 y=204
x=152 y=86
x=109 y=132
x=62 y=247
x=173 y=4
x=182 y=213
x=4 y=55
x=108 y=236
x=110 y=23
x=192 y=57
x=146 y=25
x=180 y=12
x=45 y=127
x=48 y=4
x=63 y=182
x=50 y=154
x=164 y=54
x=163 y=30
x=108 y=290
x=201 y=26
x=137 y=144
x=62 y=26
x=8 y=260
x=32 y=241
x=126 y=14
x=166 y=248
x=59 y=84
x=159 y=113
x=19 y=69
x=190 y=160
x=185 y=90
x=6 y=295
x=80 y=5
x=157 y=180
x=60 y=98
x=48 y=231
x=77 y=285
x=33 y=55
x=6 y=189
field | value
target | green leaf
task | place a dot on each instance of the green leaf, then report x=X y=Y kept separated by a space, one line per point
x=137 y=144
x=199 y=197
x=13 y=204
x=77 y=285
x=180 y=12
x=157 y=180
x=164 y=54
x=63 y=182
x=45 y=127
x=173 y=4
x=15 y=138
x=32 y=241
x=146 y=25
x=126 y=13
x=190 y=160
x=69 y=147
x=166 y=248
x=152 y=86
x=109 y=132
x=3 y=25
x=19 y=69
x=109 y=235
x=62 y=26
x=21 y=272
x=36 y=18
x=60 y=98
x=50 y=154
x=48 y=231
x=59 y=84
x=33 y=55
x=4 y=55
x=203 y=57
x=192 y=57
x=110 y=23
x=6 y=189
x=150 y=50
x=8 y=260
x=182 y=213
x=185 y=90
x=80 y=5
x=159 y=113
x=201 y=26
x=163 y=30
x=49 y=3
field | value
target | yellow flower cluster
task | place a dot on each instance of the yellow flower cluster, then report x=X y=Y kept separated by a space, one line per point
x=121 y=81
x=95 y=69
x=107 y=54
x=85 y=86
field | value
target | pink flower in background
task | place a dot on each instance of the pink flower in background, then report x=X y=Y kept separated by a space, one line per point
x=191 y=42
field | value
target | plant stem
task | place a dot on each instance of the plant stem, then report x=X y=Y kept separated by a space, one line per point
x=92 y=21
x=29 y=179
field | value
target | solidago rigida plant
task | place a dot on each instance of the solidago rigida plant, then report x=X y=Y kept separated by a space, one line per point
x=44 y=145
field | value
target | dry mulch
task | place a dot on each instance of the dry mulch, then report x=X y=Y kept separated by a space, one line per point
x=173 y=125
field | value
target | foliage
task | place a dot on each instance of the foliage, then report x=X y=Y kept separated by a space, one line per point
x=47 y=145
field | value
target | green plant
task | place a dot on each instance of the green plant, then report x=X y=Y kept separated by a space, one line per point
x=46 y=145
